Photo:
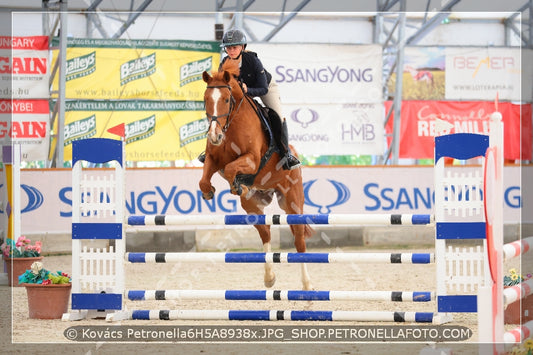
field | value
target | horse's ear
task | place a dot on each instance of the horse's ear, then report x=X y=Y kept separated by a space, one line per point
x=206 y=76
x=227 y=76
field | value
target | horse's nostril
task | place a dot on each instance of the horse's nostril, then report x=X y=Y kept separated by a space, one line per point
x=219 y=137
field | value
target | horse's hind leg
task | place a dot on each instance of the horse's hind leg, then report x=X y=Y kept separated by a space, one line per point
x=254 y=205
x=291 y=201
x=264 y=233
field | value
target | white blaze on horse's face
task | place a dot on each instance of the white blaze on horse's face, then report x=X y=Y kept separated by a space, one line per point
x=215 y=134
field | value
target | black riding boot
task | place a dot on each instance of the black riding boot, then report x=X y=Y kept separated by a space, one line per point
x=289 y=161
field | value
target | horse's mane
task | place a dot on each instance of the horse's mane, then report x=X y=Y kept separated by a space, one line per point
x=231 y=66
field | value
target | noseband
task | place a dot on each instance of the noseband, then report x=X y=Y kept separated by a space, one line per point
x=213 y=118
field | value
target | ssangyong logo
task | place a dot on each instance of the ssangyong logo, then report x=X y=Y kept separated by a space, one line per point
x=193 y=131
x=137 y=68
x=81 y=66
x=343 y=195
x=81 y=129
x=141 y=129
x=304 y=117
x=192 y=71
x=35 y=199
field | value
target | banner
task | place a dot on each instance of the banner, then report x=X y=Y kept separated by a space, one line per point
x=324 y=73
x=155 y=130
x=24 y=69
x=465 y=73
x=26 y=122
x=120 y=69
x=483 y=73
x=336 y=129
x=418 y=119
x=46 y=198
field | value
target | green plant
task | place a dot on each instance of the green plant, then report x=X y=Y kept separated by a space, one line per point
x=39 y=275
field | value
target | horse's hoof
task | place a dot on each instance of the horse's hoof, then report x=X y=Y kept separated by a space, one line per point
x=236 y=190
x=271 y=282
x=208 y=195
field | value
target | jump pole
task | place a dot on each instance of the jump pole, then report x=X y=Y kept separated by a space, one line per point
x=274 y=315
x=326 y=258
x=279 y=219
x=279 y=295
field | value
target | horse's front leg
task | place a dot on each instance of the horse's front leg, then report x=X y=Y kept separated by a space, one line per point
x=245 y=164
x=208 y=190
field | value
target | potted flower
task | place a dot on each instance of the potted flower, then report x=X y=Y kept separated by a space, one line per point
x=48 y=292
x=19 y=256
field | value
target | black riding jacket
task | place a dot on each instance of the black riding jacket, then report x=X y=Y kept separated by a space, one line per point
x=253 y=74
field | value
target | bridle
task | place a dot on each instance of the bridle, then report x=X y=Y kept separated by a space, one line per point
x=213 y=118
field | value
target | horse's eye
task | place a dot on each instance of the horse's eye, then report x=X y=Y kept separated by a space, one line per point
x=227 y=100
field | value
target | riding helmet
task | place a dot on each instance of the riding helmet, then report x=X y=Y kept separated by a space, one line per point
x=233 y=38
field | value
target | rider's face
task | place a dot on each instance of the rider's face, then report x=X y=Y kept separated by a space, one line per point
x=234 y=51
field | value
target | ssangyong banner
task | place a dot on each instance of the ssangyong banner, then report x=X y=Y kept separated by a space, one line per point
x=24 y=67
x=336 y=129
x=47 y=194
x=155 y=130
x=26 y=122
x=419 y=118
x=483 y=73
x=325 y=73
x=121 y=69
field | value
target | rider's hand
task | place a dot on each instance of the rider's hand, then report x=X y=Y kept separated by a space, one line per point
x=244 y=88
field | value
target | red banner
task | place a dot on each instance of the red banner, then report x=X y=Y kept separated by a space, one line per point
x=417 y=129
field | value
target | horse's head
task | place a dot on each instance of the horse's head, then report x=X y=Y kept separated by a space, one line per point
x=220 y=98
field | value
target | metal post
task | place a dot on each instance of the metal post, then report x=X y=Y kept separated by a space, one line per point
x=63 y=8
x=397 y=104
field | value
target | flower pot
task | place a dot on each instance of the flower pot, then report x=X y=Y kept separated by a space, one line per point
x=17 y=266
x=523 y=308
x=47 y=301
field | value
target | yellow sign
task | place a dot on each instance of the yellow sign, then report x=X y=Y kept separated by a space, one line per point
x=155 y=87
x=155 y=130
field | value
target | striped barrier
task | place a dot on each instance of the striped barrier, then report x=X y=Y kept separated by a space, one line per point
x=517 y=292
x=392 y=258
x=276 y=315
x=279 y=295
x=517 y=248
x=519 y=334
x=278 y=219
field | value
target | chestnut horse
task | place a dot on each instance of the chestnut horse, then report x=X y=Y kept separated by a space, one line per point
x=236 y=144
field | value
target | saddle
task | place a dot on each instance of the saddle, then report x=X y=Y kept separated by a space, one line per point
x=267 y=117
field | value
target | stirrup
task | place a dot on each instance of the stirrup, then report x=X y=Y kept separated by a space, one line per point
x=291 y=162
x=201 y=157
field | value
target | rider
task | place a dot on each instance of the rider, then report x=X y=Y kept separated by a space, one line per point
x=256 y=81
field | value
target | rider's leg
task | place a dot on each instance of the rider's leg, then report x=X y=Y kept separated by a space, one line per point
x=279 y=129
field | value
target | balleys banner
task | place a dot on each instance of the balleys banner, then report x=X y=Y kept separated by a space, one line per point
x=137 y=69
x=154 y=87
x=154 y=130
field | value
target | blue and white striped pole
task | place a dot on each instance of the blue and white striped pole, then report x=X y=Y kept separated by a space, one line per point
x=279 y=295
x=278 y=219
x=273 y=315
x=388 y=258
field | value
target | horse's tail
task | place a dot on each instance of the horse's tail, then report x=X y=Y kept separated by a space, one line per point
x=308 y=231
